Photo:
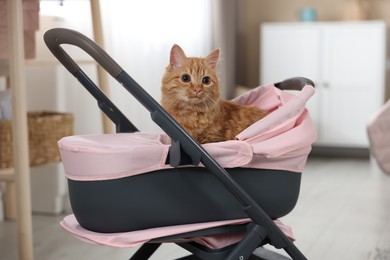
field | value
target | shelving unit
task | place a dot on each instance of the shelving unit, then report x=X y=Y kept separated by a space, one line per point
x=19 y=129
x=18 y=178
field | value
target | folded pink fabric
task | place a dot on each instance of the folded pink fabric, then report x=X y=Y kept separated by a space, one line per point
x=136 y=238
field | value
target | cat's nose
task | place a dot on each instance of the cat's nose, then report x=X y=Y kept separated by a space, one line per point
x=197 y=90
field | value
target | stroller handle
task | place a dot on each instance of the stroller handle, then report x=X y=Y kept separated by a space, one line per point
x=57 y=36
x=296 y=83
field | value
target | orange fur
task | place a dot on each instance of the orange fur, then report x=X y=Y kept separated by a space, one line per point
x=191 y=94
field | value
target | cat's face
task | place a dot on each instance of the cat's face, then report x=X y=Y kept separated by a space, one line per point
x=191 y=80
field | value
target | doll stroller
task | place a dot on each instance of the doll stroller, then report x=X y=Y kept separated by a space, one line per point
x=218 y=201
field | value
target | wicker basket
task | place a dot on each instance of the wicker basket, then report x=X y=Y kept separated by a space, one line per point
x=44 y=130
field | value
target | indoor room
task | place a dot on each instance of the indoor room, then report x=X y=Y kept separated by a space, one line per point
x=317 y=70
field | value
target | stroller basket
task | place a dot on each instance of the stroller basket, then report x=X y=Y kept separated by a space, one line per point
x=180 y=181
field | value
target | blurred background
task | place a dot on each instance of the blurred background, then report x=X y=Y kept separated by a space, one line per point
x=339 y=44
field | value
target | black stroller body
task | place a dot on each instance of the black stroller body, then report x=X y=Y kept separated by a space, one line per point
x=184 y=193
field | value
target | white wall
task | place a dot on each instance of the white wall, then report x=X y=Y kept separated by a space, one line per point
x=139 y=36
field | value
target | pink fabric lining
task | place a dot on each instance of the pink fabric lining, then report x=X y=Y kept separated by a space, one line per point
x=282 y=140
x=136 y=238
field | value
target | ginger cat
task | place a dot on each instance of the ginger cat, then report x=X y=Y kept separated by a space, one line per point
x=191 y=94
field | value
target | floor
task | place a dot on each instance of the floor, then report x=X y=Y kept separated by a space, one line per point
x=343 y=213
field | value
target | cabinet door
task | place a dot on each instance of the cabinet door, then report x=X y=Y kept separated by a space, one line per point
x=353 y=77
x=290 y=51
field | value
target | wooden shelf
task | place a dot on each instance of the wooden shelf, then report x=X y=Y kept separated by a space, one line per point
x=51 y=62
x=7 y=174
x=46 y=62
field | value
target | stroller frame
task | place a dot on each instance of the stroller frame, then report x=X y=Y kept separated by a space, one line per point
x=183 y=150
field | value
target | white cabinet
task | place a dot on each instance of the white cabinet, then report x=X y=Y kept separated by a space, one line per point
x=346 y=61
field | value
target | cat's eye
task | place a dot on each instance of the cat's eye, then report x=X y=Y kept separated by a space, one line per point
x=185 y=78
x=206 y=80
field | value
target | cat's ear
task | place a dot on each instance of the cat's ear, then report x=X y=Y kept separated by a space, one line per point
x=177 y=58
x=212 y=58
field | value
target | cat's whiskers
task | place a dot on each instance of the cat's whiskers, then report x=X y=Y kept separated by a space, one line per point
x=210 y=102
x=207 y=106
